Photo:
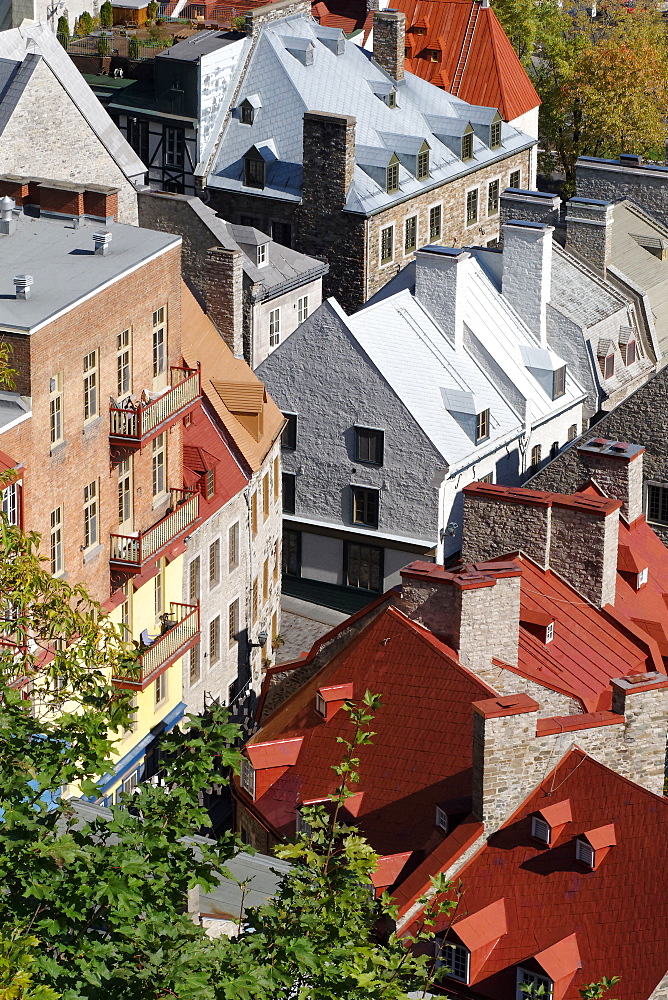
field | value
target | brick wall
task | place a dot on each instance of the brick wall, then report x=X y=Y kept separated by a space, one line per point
x=19 y=360
x=223 y=282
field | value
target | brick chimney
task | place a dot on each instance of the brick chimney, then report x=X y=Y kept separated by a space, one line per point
x=223 y=281
x=574 y=535
x=441 y=285
x=589 y=230
x=389 y=41
x=527 y=272
x=477 y=607
x=617 y=467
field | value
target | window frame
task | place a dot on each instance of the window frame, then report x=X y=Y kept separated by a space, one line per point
x=526 y=976
x=559 y=382
x=663 y=488
x=125 y=491
x=174 y=154
x=214 y=563
x=493 y=208
x=457 y=948
x=214 y=640
x=159 y=340
x=91 y=387
x=124 y=363
x=194 y=579
x=630 y=347
x=384 y=260
x=261 y=254
x=482 y=426
x=195 y=664
x=160 y=687
x=467 y=147
x=56 y=541
x=472 y=202
x=410 y=223
x=275 y=326
x=159 y=465
x=495 y=135
x=233 y=538
x=379 y=436
x=392 y=177
x=289 y=494
x=435 y=211
x=255 y=173
x=302 y=309
x=233 y=623
x=365 y=503
x=289 y=432
x=609 y=366
x=56 y=409
x=518 y=174
x=537 y=822
x=423 y=171
x=247 y=777
x=91 y=514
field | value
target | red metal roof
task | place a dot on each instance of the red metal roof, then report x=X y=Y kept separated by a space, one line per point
x=421 y=753
x=347 y=15
x=583 y=924
x=205 y=447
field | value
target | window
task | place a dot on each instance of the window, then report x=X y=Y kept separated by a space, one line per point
x=265 y=581
x=159 y=341
x=277 y=480
x=90 y=514
x=193 y=580
x=159 y=463
x=433 y=55
x=262 y=254
x=123 y=363
x=56 y=408
x=253 y=170
x=584 y=852
x=233 y=622
x=515 y=179
x=559 y=382
x=435 y=216
x=609 y=366
x=159 y=592
x=247 y=113
x=554 y=449
x=364 y=566
x=175 y=145
x=641 y=578
x=495 y=135
x=386 y=244
x=292 y=552
x=572 y=432
x=214 y=640
x=265 y=496
x=472 y=207
x=289 y=435
x=410 y=234
x=281 y=232
x=657 y=503
x=493 y=197
x=247 y=777
x=90 y=385
x=536 y=453
x=482 y=425
x=132 y=708
x=467 y=146
x=302 y=308
x=392 y=179
x=489 y=478
x=233 y=547
x=277 y=549
x=320 y=705
x=540 y=829
x=56 y=541
x=455 y=957
x=214 y=563
x=369 y=446
x=365 y=506
x=160 y=688
x=289 y=492
x=194 y=669
x=441 y=819
x=549 y=632
x=274 y=327
x=628 y=352
x=392 y=99
x=302 y=828
x=138 y=137
x=125 y=491
x=11 y=503
x=254 y=601
x=254 y=513
x=210 y=484
x=423 y=164
x=126 y=610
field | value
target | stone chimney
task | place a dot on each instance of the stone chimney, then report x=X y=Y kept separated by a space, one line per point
x=617 y=467
x=643 y=701
x=527 y=272
x=576 y=534
x=328 y=159
x=476 y=607
x=389 y=41
x=223 y=282
x=589 y=230
x=441 y=285
x=529 y=206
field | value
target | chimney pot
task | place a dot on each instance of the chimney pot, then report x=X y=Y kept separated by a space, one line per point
x=102 y=241
x=22 y=283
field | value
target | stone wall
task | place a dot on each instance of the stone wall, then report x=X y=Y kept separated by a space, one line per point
x=641 y=419
x=589 y=230
x=628 y=177
x=389 y=41
x=583 y=550
x=223 y=282
x=252 y=832
x=529 y=206
x=494 y=528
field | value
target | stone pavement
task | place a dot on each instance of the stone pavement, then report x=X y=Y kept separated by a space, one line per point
x=301 y=624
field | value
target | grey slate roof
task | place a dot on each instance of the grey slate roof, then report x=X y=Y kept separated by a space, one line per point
x=638 y=263
x=578 y=293
x=63 y=266
x=339 y=84
x=31 y=41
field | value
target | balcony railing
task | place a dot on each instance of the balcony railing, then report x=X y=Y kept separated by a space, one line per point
x=175 y=641
x=134 y=551
x=135 y=424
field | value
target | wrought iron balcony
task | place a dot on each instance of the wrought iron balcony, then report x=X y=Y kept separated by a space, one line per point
x=159 y=653
x=133 y=552
x=135 y=424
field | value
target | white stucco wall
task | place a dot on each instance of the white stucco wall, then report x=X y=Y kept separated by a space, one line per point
x=287 y=303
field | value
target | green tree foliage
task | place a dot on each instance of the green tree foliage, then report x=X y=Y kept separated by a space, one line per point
x=152 y=11
x=18 y=969
x=103 y=45
x=84 y=25
x=106 y=15
x=134 y=48
x=63 y=30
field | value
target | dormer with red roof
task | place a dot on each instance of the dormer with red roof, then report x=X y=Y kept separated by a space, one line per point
x=548 y=822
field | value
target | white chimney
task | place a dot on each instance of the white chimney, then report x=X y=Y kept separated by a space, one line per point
x=102 y=241
x=527 y=272
x=441 y=286
x=22 y=283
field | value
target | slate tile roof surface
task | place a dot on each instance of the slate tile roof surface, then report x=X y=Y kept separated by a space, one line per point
x=639 y=264
x=421 y=753
x=337 y=84
x=618 y=913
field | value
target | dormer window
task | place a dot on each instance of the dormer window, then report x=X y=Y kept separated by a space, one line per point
x=532 y=984
x=467 y=146
x=641 y=578
x=549 y=632
x=392 y=99
x=253 y=170
x=482 y=426
x=247 y=777
x=441 y=819
x=495 y=135
x=455 y=957
x=261 y=254
x=423 y=164
x=584 y=852
x=609 y=366
x=629 y=353
x=392 y=184
x=419 y=30
x=433 y=55
x=320 y=705
x=559 y=382
x=541 y=830
x=248 y=109
x=302 y=828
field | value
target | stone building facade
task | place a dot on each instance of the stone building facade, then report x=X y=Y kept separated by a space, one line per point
x=626 y=177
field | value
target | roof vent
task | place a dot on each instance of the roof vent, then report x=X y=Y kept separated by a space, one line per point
x=102 y=241
x=22 y=283
x=7 y=220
